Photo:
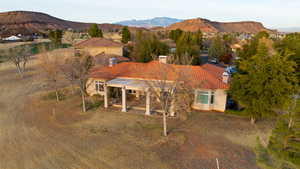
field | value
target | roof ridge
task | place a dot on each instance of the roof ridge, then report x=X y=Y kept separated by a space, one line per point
x=196 y=74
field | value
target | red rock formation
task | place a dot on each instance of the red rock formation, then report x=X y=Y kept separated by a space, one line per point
x=214 y=27
x=24 y=22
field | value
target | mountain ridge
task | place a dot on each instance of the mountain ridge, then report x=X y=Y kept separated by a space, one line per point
x=208 y=26
x=29 y=22
x=149 y=23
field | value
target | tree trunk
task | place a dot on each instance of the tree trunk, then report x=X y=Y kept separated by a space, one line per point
x=290 y=122
x=57 y=96
x=83 y=101
x=19 y=70
x=72 y=88
x=24 y=66
x=253 y=120
x=165 y=123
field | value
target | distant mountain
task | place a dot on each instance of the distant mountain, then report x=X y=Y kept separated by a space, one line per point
x=149 y=23
x=26 y=23
x=289 y=30
x=214 y=27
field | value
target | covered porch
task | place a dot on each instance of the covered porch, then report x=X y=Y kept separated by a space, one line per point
x=135 y=94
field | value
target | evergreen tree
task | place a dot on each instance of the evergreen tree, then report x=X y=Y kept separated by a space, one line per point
x=199 y=38
x=262 y=34
x=291 y=44
x=126 y=35
x=219 y=50
x=230 y=38
x=283 y=150
x=250 y=49
x=175 y=34
x=267 y=82
x=148 y=47
x=188 y=48
x=56 y=36
x=285 y=141
x=94 y=31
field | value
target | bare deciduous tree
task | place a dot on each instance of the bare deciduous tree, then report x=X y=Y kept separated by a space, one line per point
x=172 y=90
x=71 y=37
x=76 y=70
x=50 y=63
x=19 y=56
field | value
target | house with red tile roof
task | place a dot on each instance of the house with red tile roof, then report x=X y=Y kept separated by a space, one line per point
x=96 y=46
x=208 y=81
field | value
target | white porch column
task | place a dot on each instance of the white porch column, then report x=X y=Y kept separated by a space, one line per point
x=105 y=96
x=124 y=108
x=137 y=95
x=172 y=108
x=148 y=102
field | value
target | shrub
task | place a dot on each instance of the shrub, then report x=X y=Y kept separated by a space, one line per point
x=242 y=113
x=52 y=95
x=94 y=102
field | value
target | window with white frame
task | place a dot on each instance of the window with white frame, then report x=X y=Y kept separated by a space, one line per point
x=99 y=86
x=202 y=97
x=205 y=97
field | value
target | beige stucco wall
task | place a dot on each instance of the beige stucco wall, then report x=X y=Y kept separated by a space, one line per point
x=107 y=50
x=219 y=101
x=220 y=98
x=91 y=87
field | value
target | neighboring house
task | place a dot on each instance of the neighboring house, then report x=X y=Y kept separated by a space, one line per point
x=209 y=82
x=96 y=46
x=235 y=48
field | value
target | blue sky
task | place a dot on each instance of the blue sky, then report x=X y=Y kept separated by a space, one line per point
x=273 y=13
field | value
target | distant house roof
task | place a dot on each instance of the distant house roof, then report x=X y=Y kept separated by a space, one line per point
x=12 y=38
x=98 y=42
x=207 y=76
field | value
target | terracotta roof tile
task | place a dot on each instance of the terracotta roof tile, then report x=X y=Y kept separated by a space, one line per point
x=207 y=76
x=98 y=42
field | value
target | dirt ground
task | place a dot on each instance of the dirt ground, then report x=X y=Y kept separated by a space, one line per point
x=38 y=134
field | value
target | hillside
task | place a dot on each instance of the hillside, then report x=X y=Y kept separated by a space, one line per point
x=149 y=23
x=25 y=22
x=215 y=27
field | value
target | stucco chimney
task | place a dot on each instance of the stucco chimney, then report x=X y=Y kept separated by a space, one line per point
x=112 y=62
x=163 y=59
x=225 y=77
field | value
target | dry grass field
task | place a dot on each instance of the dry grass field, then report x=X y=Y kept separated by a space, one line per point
x=11 y=45
x=32 y=136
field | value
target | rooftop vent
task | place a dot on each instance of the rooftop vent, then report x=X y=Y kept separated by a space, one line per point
x=225 y=77
x=163 y=59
